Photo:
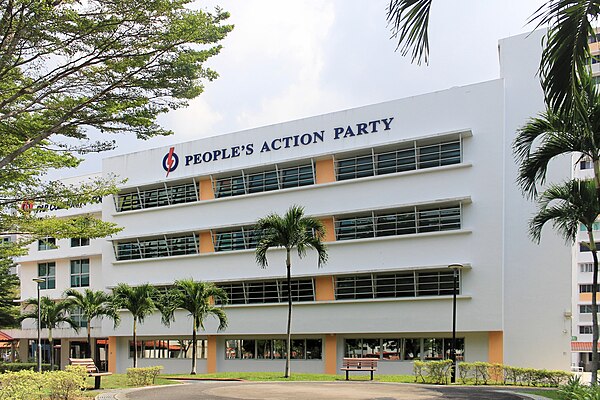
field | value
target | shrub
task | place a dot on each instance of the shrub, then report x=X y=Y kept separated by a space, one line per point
x=439 y=371
x=484 y=373
x=21 y=385
x=14 y=367
x=142 y=376
x=64 y=385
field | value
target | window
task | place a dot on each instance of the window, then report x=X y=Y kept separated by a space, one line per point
x=48 y=272
x=586 y=267
x=396 y=285
x=79 y=242
x=406 y=158
x=80 y=273
x=595 y=227
x=403 y=349
x=585 y=309
x=76 y=315
x=48 y=243
x=168 y=348
x=271 y=291
x=583 y=246
x=587 y=288
x=239 y=239
x=157 y=197
x=264 y=181
x=585 y=329
x=401 y=222
x=164 y=246
x=586 y=164
x=269 y=349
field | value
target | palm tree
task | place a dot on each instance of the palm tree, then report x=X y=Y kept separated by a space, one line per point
x=52 y=313
x=139 y=301
x=197 y=298
x=93 y=304
x=565 y=58
x=552 y=134
x=293 y=230
x=567 y=206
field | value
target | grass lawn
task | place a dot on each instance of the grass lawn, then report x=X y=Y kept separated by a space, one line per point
x=278 y=376
x=117 y=381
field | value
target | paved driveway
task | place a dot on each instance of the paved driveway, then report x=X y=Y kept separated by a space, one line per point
x=210 y=390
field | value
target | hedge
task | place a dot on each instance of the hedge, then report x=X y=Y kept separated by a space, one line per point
x=14 y=367
x=142 y=376
x=482 y=373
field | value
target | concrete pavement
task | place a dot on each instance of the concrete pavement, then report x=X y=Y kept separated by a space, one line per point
x=211 y=390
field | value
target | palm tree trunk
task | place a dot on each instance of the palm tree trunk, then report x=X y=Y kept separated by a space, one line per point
x=51 y=348
x=89 y=337
x=288 y=264
x=134 y=343
x=595 y=328
x=194 y=349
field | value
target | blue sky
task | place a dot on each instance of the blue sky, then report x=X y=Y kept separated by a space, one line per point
x=288 y=60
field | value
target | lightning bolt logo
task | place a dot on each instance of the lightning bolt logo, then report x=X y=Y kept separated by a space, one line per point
x=170 y=161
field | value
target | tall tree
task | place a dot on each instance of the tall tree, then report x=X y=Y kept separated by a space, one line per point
x=69 y=68
x=567 y=206
x=565 y=58
x=9 y=292
x=292 y=230
x=553 y=134
x=139 y=301
x=53 y=315
x=198 y=299
x=93 y=304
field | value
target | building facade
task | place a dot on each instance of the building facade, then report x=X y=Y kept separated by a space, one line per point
x=405 y=188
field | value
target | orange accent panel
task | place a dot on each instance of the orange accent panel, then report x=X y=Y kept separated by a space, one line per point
x=496 y=347
x=329 y=229
x=331 y=354
x=206 y=190
x=587 y=296
x=211 y=354
x=112 y=354
x=594 y=47
x=206 y=243
x=324 y=288
x=325 y=171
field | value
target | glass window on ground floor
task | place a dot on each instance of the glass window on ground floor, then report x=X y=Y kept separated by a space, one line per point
x=168 y=348
x=403 y=349
x=272 y=349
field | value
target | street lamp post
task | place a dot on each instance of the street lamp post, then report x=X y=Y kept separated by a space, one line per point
x=455 y=270
x=39 y=324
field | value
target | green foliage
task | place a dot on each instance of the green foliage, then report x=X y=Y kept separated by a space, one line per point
x=198 y=299
x=433 y=371
x=139 y=301
x=64 y=385
x=483 y=373
x=142 y=376
x=21 y=385
x=18 y=366
x=93 y=304
x=28 y=385
x=78 y=370
x=9 y=291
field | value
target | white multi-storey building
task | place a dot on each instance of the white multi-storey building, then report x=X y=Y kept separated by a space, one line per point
x=405 y=188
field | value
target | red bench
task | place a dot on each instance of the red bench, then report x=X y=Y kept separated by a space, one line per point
x=359 y=364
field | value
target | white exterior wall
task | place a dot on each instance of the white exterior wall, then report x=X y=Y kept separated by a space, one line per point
x=536 y=278
x=511 y=285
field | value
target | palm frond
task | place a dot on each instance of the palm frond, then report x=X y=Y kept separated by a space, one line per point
x=409 y=21
x=565 y=58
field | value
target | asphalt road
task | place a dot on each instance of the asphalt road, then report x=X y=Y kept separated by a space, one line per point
x=210 y=390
